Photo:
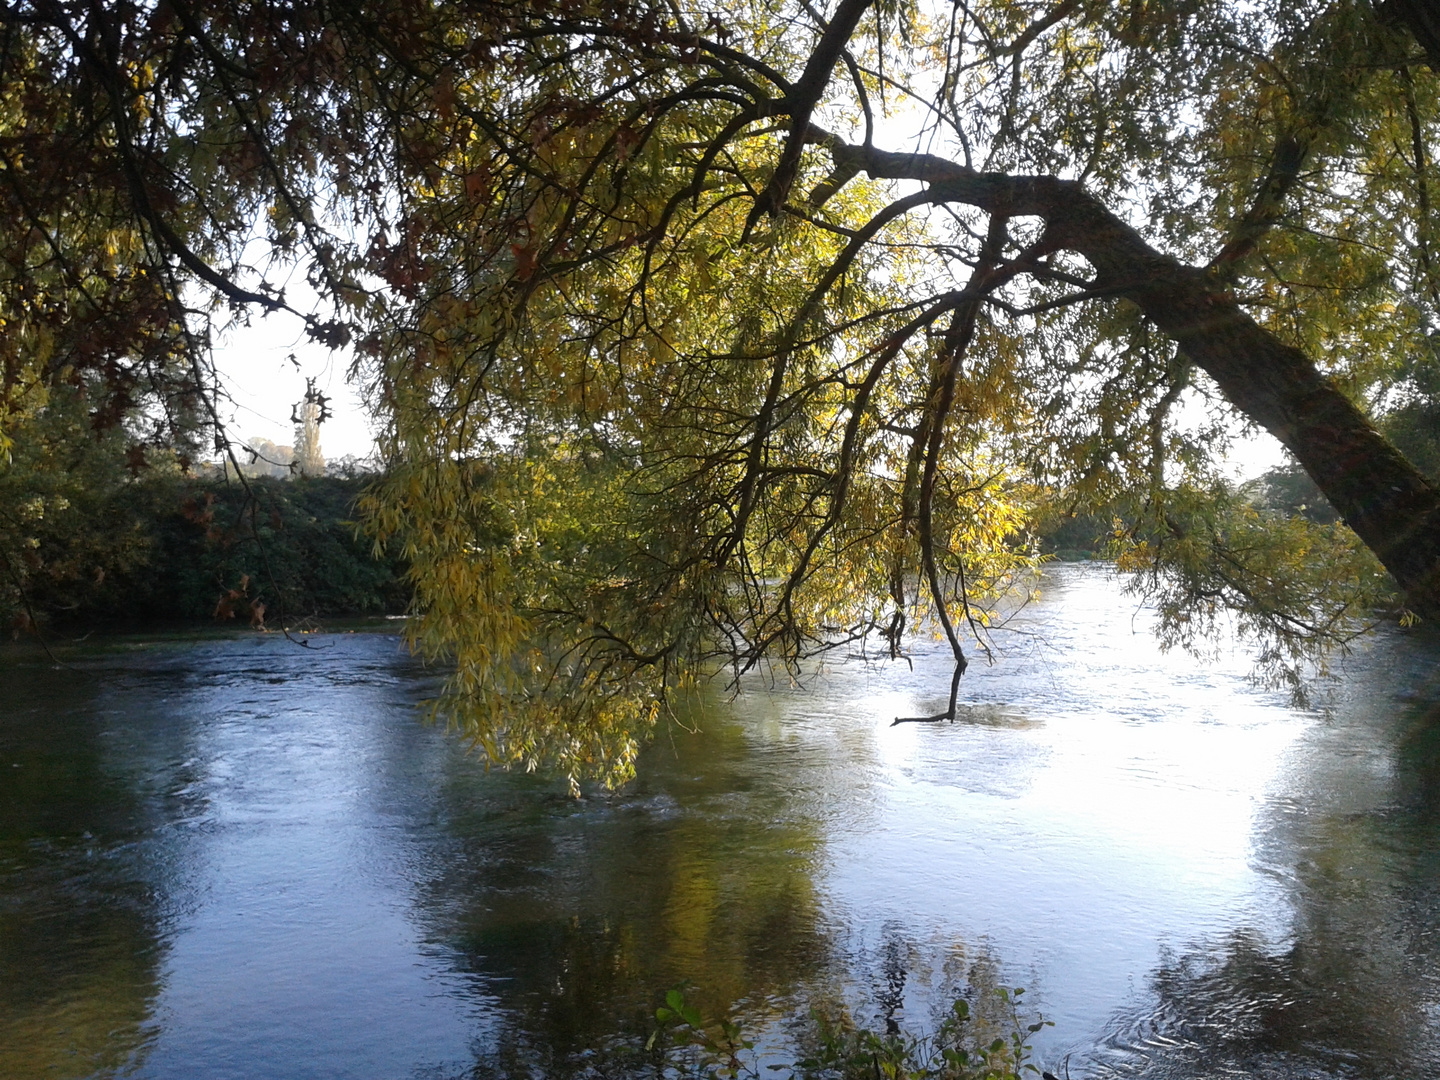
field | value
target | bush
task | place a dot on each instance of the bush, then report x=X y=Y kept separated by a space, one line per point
x=685 y=1046
x=289 y=545
x=164 y=547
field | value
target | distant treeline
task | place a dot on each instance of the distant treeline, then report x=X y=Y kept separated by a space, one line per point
x=168 y=549
x=1078 y=535
x=1412 y=425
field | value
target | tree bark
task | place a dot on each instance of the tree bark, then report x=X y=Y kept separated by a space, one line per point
x=1387 y=502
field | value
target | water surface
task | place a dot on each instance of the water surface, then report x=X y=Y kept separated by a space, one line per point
x=241 y=858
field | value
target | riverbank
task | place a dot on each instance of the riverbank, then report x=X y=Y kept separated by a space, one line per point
x=62 y=643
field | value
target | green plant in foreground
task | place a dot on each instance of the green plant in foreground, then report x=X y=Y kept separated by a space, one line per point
x=689 y=1046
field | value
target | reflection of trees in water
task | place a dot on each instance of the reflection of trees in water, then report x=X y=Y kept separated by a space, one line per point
x=1354 y=992
x=1420 y=758
x=76 y=989
x=896 y=959
x=79 y=942
x=906 y=985
x=576 y=917
x=583 y=974
x=935 y=974
x=1302 y=1012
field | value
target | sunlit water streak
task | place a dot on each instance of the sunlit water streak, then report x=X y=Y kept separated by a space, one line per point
x=240 y=858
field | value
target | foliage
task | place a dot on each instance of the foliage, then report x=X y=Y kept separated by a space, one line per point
x=1209 y=557
x=85 y=543
x=1066 y=532
x=769 y=449
x=1413 y=423
x=71 y=523
x=295 y=542
x=85 y=304
x=1288 y=491
x=682 y=370
x=841 y=1051
x=269 y=459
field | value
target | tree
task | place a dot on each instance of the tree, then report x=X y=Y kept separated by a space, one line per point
x=65 y=537
x=738 y=334
x=308 y=414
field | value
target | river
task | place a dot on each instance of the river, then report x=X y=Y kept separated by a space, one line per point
x=243 y=858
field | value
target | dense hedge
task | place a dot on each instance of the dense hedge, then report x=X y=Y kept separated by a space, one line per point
x=294 y=541
x=203 y=550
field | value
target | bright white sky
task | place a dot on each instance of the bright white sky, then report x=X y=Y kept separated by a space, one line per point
x=256 y=367
x=1249 y=455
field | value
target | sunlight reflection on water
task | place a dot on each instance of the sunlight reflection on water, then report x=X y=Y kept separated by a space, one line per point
x=248 y=857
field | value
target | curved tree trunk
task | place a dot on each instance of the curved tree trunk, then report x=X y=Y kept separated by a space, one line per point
x=1385 y=499
x=1391 y=506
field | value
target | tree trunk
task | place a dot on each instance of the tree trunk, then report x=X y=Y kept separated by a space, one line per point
x=1385 y=499
x=1392 y=507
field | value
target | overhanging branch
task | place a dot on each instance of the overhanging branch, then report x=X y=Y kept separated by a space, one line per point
x=1390 y=505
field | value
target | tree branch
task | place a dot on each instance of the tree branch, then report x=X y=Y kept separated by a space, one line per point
x=1390 y=505
x=800 y=102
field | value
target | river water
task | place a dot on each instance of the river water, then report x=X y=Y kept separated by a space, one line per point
x=241 y=858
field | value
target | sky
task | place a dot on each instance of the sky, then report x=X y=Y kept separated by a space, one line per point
x=264 y=383
x=1254 y=454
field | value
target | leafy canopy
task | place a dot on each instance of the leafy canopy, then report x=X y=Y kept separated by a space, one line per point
x=730 y=334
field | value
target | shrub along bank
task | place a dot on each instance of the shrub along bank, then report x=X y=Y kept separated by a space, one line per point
x=171 y=548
